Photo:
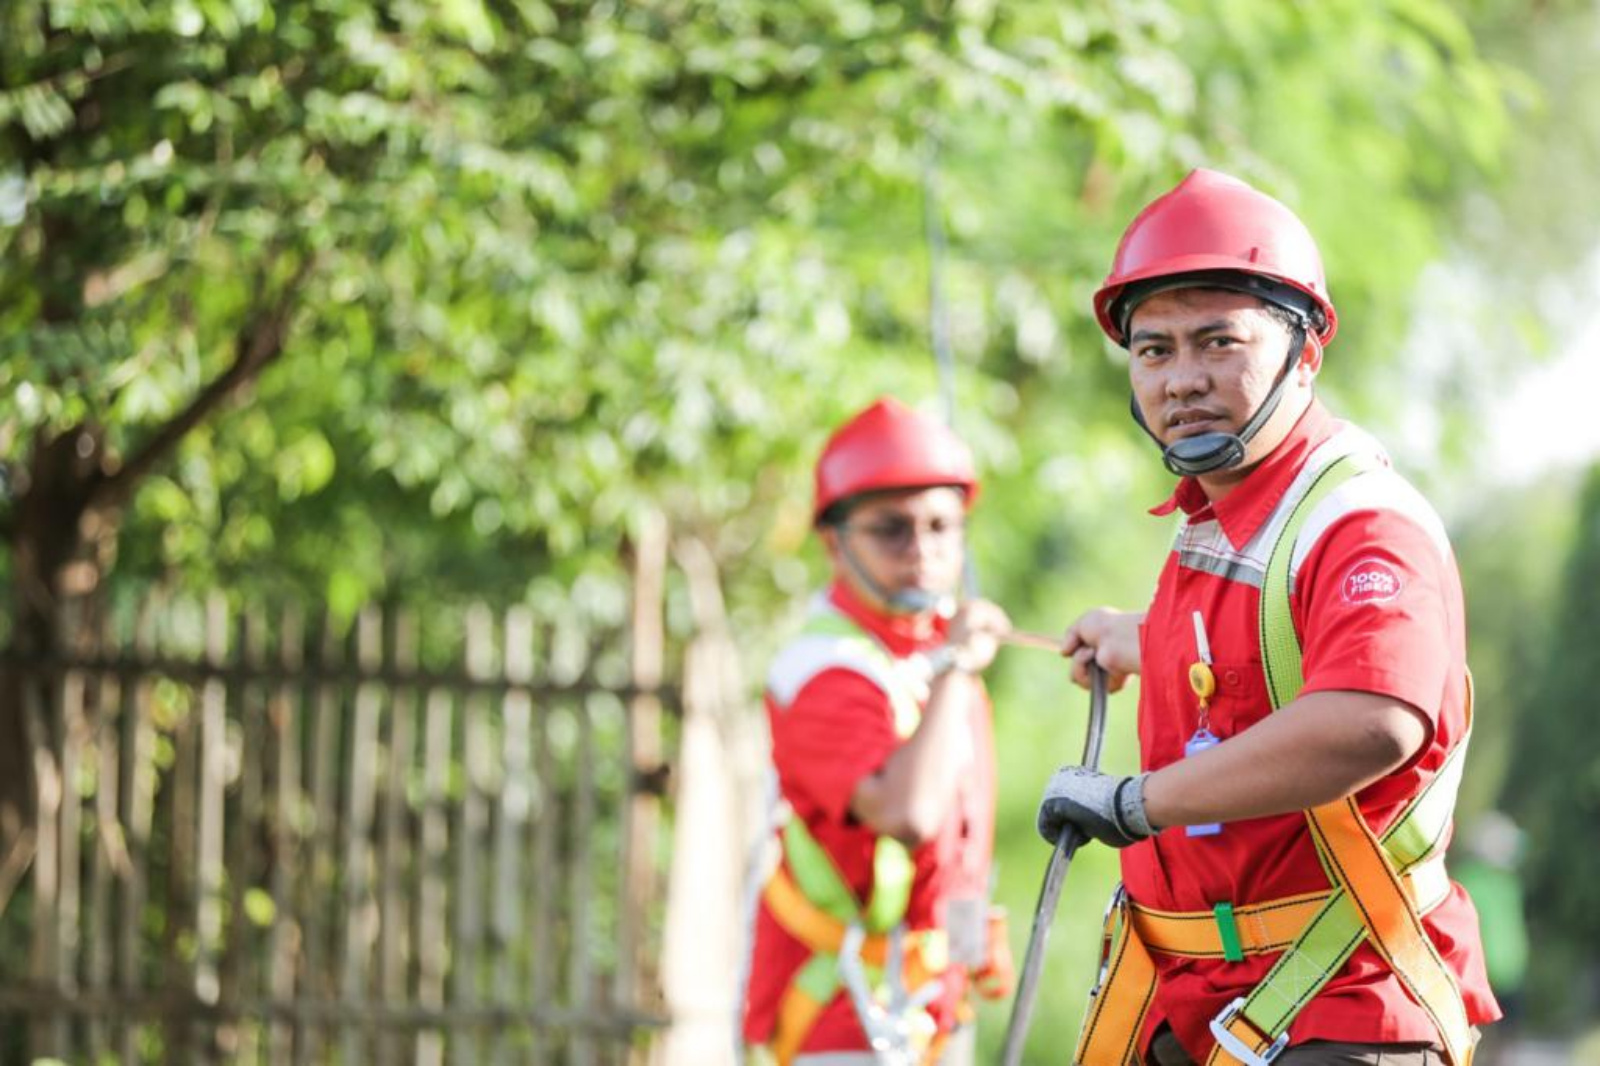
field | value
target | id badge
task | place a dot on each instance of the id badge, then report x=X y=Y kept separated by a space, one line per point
x=1203 y=738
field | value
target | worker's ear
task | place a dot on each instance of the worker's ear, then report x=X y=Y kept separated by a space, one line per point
x=830 y=539
x=1310 y=361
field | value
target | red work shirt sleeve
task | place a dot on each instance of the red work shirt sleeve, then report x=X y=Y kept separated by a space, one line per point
x=838 y=729
x=1373 y=606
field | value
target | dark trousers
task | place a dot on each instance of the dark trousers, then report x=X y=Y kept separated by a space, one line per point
x=1166 y=1051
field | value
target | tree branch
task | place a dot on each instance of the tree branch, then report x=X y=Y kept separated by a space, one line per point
x=259 y=342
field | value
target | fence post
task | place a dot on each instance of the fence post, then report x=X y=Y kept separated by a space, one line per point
x=511 y=826
x=287 y=821
x=472 y=826
x=702 y=938
x=434 y=862
x=209 y=811
x=110 y=857
x=641 y=806
x=360 y=802
x=47 y=1034
x=138 y=800
x=397 y=868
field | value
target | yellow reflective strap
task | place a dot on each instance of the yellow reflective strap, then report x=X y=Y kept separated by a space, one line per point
x=1418 y=833
x=814 y=871
x=1280 y=644
x=892 y=873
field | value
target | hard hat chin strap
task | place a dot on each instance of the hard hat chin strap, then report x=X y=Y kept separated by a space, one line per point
x=1205 y=453
x=903 y=601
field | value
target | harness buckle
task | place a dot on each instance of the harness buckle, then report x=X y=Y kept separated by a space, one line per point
x=1236 y=1047
x=1119 y=896
x=898 y=1029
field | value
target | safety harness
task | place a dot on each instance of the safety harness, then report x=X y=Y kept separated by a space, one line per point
x=1380 y=887
x=812 y=902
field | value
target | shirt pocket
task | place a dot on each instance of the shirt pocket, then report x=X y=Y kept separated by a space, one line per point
x=1241 y=699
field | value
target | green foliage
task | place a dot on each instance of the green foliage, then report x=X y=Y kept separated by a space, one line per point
x=572 y=261
x=1554 y=782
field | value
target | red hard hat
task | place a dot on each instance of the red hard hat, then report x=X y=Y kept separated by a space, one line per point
x=1215 y=223
x=890 y=446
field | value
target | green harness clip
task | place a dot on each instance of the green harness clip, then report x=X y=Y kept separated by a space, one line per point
x=1231 y=948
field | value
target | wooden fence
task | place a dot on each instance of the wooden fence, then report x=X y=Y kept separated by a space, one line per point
x=280 y=840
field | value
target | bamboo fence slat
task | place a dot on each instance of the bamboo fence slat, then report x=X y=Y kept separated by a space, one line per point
x=360 y=803
x=640 y=814
x=286 y=819
x=472 y=825
x=512 y=821
x=580 y=974
x=396 y=877
x=108 y=847
x=322 y=762
x=431 y=899
x=45 y=958
x=137 y=777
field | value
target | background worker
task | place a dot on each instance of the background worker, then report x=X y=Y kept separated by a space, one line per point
x=1217 y=292
x=882 y=743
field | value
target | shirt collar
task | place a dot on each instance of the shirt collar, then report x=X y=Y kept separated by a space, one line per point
x=1242 y=511
x=902 y=634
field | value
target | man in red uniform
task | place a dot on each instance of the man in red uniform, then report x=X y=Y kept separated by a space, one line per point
x=882 y=745
x=1247 y=821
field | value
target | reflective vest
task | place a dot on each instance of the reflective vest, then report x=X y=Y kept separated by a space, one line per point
x=807 y=895
x=1380 y=887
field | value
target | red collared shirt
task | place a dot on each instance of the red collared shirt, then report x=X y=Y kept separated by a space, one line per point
x=837 y=729
x=1376 y=600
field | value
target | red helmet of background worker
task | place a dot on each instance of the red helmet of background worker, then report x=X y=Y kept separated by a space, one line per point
x=885 y=448
x=890 y=446
x=1213 y=231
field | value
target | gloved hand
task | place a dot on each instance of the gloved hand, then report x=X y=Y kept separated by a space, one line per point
x=1109 y=809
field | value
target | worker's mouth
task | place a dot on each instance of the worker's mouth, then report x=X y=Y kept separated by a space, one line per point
x=1189 y=422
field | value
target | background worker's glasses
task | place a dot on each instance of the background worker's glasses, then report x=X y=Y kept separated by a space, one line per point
x=895 y=535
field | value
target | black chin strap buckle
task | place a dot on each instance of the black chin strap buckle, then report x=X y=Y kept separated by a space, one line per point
x=1203 y=453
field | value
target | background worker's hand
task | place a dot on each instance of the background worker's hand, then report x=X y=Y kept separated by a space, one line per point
x=1108 y=637
x=975 y=632
x=1108 y=809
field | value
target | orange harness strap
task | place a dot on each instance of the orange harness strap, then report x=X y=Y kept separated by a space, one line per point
x=813 y=926
x=1120 y=1000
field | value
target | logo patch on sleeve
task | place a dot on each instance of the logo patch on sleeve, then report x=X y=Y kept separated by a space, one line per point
x=1371 y=581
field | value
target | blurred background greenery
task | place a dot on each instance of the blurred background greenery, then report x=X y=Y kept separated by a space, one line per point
x=426 y=301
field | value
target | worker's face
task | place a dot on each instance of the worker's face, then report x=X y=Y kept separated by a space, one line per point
x=1203 y=360
x=904 y=541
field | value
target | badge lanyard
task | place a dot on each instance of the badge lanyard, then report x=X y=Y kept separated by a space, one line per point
x=1204 y=683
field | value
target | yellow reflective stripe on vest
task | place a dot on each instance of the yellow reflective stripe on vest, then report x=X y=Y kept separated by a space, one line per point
x=907 y=711
x=1280 y=644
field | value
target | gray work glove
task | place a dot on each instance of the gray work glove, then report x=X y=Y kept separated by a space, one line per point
x=1108 y=809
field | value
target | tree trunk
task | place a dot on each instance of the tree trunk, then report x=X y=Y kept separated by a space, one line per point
x=61 y=539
